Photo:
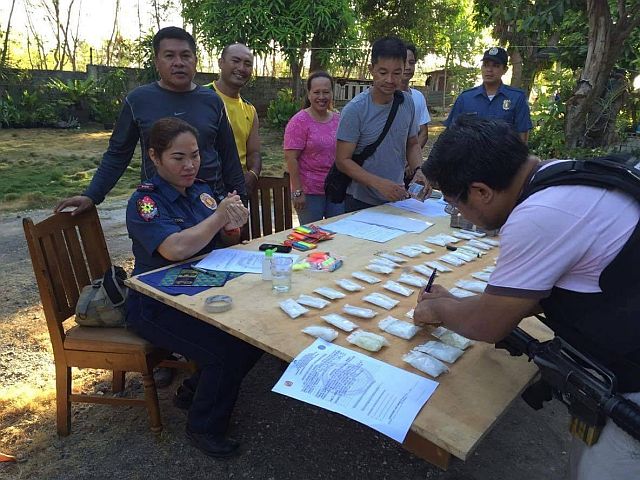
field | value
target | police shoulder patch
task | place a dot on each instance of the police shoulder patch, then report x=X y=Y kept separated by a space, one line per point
x=208 y=201
x=147 y=208
x=146 y=187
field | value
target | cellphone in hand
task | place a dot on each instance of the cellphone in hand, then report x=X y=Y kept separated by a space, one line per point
x=415 y=190
x=271 y=246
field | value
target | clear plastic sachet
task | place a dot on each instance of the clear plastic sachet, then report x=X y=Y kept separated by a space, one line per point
x=466 y=256
x=479 y=244
x=452 y=260
x=491 y=241
x=452 y=338
x=377 y=268
x=365 y=277
x=460 y=293
x=425 y=363
x=463 y=236
x=397 y=288
x=292 y=308
x=473 y=233
x=390 y=257
x=399 y=328
x=408 y=252
x=438 y=266
x=489 y=269
x=436 y=240
x=311 y=301
x=472 y=285
x=384 y=261
x=367 y=340
x=381 y=300
x=423 y=270
x=340 y=322
x=484 y=276
x=349 y=285
x=359 y=311
x=329 y=293
x=440 y=350
x=325 y=333
x=421 y=248
x=413 y=280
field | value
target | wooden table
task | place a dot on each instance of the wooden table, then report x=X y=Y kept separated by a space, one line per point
x=470 y=398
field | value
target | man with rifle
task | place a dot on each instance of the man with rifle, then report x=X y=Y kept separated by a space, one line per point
x=570 y=247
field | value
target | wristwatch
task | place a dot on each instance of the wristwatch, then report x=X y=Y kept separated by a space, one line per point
x=297 y=193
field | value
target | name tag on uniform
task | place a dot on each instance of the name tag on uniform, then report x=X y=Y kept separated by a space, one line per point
x=178 y=220
x=506 y=104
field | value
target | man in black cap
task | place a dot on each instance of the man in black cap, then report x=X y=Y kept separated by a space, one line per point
x=493 y=99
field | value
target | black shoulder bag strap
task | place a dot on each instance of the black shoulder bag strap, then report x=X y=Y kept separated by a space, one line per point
x=359 y=158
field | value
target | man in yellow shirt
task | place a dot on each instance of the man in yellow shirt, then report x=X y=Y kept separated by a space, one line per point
x=236 y=66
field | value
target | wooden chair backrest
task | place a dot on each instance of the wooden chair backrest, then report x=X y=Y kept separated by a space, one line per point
x=67 y=253
x=270 y=207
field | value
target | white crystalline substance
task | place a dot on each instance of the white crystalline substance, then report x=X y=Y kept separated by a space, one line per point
x=397 y=288
x=311 y=301
x=367 y=340
x=436 y=240
x=491 y=241
x=413 y=280
x=374 y=267
x=449 y=238
x=329 y=293
x=484 y=276
x=463 y=236
x=391 y=258
x=381 y=300
x=410 y=313
x=292 y=308
x=467 y=257
x=471 y=250
x=325 y=333
x=438 y=266
x=460 y=293
x=384 y=261
x=399 y=328
x=340 y=322
x=452 y=260
x=489 y=269
x=359 y=311
x=452 y=338
x=475 y=234
x=365 y=277
x=480 y=244
x=421 y=248
x=472 y=285
x=349 y=285
x=423 y=269
x=440 y=350
x=425 y=363
x=408 y=252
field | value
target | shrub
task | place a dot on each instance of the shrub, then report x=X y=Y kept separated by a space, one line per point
x=282 y=108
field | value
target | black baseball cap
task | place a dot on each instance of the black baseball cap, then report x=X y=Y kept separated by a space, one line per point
x=497 y=54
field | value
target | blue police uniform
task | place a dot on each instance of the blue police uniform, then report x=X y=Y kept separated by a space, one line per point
x=155 y=211
x=509 y=104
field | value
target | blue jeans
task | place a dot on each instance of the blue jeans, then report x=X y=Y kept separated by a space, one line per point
x=223 y=360
x=317 y=207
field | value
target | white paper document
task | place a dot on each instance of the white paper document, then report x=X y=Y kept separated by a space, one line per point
x=391 y=221
x=234 y=260
x=384 y=397
x=429 y=208
x=366 y=231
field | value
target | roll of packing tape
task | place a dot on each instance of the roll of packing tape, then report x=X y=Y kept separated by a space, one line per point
x=218 y=303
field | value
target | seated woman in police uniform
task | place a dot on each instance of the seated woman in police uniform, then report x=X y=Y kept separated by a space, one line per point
x=170 y=218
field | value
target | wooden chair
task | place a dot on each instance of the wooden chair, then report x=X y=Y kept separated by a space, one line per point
x=67 y=253
x=269 y=207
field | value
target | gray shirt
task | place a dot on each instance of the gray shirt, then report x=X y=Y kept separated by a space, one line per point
x=361 y=122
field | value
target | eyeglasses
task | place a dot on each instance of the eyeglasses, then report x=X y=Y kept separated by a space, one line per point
x=452 y=206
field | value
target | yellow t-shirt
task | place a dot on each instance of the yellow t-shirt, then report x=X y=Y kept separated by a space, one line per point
x=240 y=114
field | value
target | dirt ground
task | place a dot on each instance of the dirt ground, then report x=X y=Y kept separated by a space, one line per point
x=281 y=438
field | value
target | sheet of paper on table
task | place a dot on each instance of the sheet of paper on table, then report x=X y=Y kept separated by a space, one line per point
x=366 y=231
x=391 y=221
x=429 y=208
x=384 y=397
x=234 y=260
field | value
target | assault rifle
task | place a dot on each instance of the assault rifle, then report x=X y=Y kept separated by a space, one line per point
x=587 y=388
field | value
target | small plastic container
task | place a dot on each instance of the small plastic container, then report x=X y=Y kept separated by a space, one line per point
x=266 y=264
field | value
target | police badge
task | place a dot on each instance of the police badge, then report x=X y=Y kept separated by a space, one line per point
x=493 y=51
x=208 y=201
x=506 y=104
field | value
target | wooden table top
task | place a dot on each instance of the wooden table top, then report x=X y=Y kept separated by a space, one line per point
x=470 y=398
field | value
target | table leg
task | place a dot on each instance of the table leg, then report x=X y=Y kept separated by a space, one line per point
x=426 y=450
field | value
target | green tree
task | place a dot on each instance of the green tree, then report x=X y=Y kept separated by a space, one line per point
x=289 y=26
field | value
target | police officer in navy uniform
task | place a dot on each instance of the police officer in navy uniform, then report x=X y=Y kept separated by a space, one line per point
x=493 y=99
x=171 y=218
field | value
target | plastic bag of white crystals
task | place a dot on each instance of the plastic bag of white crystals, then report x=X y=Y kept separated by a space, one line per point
x=367 y=340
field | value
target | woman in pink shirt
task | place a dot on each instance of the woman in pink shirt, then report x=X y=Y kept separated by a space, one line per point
x=310 y=150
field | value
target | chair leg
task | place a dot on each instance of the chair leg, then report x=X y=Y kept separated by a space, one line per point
x=118 y=381
x=63 y=399
x=151 y=397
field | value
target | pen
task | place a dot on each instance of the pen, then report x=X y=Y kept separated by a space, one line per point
x=201 y=270
x=431 y=279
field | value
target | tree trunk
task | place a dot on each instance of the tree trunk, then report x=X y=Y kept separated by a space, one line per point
x=318 y=58
x=594 y=77
x=5 y=47
x=516 y=67
x=295 y=62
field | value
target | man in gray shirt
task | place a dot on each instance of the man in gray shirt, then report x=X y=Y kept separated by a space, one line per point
x=380 y=178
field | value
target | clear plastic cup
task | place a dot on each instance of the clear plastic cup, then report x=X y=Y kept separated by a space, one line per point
x=281 y=274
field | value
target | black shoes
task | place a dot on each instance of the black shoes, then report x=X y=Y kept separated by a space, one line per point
x=183 y=397
x=212 y=445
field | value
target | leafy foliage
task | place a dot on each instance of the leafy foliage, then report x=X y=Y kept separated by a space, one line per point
x=282 y=109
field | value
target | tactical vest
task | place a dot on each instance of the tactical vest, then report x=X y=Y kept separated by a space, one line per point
x=604 y=325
